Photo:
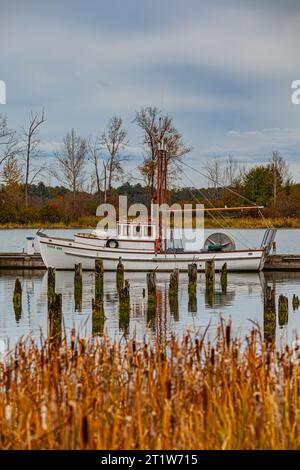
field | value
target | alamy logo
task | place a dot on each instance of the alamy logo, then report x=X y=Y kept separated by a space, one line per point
x=296 y=94
x=2 y=92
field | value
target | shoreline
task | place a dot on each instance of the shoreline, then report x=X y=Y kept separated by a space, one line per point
x=247 y=223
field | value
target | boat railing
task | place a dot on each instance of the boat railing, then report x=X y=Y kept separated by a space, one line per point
x=268 y=239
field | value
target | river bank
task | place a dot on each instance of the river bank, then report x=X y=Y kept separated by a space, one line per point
x=234 y=223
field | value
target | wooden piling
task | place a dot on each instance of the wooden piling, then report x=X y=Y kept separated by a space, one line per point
x=120 y=275
x=192 y=287
x=269 y=314
x=295 y=302
x=17 y=299
x=192 y=273
x=173 y=293
x=210 y=276
x=78 y=286
x=283 y=310
x=223 y=278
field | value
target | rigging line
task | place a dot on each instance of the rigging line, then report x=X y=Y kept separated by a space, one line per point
x=268 y=225
x=216 y=182
x=243 y=240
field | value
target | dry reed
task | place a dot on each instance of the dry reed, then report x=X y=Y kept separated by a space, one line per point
x=189 y=394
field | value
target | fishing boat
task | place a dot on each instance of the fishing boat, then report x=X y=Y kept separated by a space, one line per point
x=142 y=246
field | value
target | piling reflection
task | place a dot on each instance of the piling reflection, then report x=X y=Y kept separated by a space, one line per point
x=219 y=299
x=192 y=288
x=124 y=308
x=98 y=316
x=78 y=287
x=158 y=303
x=17 y=300
x=173 y=294
x=55 y=319
x=283 y=310
x=269 y=314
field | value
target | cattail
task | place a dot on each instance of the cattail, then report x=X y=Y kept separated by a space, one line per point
x=85 y=430
x=228 y=335
x=169 y=389
x=8 y=413
x=212 y=356
x=44 y=417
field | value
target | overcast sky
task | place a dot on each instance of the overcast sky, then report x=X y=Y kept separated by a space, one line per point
x=222 y=69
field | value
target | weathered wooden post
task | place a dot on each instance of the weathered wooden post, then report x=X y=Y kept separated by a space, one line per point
x=55 y=319
x=51 y=284
x=124 y=307
x=78 y=286
x=223 y=278
x=283 y=310
x=173 y=293
x=17 y=299
x=269 y=314
x=296 y=302
x=120 y=275
x=98 y=316
x=192 y=287
x=151 y=285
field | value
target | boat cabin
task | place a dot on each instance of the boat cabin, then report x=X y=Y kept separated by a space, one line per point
x=136 y=231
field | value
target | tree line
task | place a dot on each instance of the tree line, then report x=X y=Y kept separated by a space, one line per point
x=91 y=170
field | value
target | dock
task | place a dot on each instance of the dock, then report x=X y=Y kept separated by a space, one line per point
x=284 y=262
x=21 y=261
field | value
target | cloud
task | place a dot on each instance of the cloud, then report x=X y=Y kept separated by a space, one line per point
x=222 y=69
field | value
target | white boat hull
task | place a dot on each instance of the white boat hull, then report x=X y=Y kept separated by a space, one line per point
x=63 y=254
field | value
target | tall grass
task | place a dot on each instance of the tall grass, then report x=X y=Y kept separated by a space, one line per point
x=193 y=394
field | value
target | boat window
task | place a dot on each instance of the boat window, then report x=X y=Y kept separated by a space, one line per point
x=119 y=230
x=138 y=229
x=149 y=230
x=128 y=230
x=145 y=231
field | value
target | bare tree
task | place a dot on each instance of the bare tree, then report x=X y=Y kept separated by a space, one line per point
x=8 y=140
x=71 y=162
x=280 y=171
x=157 y=128
x=233 y=172
x=114 y=140
x=213 y=169
x=94 y=152
x=31 y=147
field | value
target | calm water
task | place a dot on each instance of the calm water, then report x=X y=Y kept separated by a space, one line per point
x=242 y=303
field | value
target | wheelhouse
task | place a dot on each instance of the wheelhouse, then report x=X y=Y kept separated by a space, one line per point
x=136 y=231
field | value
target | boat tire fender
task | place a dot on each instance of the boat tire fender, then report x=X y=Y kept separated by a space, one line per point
x=112 y=243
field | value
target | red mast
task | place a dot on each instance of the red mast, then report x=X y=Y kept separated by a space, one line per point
x=161 y=192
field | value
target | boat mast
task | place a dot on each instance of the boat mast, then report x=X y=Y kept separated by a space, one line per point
x=161 y=193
